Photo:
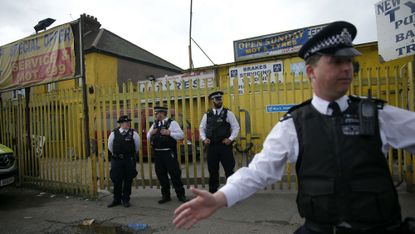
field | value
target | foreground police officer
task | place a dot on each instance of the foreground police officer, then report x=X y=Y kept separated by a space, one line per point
x=339 y=145
x=218 y=129
x=163 y=135
x=123 y=144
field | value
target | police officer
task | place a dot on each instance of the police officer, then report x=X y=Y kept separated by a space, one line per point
x=163 y=135
x=339 y=144
x=218 y=129
x=123 y=144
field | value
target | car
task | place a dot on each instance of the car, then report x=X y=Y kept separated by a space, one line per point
x=8 y=166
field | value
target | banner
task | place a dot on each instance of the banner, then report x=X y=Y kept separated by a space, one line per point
x=183 y=81
x=395 y=21
x=273 y=44
x=258 y=71
x=42 y=58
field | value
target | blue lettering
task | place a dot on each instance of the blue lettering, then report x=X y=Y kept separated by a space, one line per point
x=48 y=38
x=386 y=6
x=410 y=5
x=391 y=14
x=67 y=36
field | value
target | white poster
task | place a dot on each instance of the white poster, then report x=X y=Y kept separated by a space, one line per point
x=257 y=71
x=395 y=21
x=183 y=81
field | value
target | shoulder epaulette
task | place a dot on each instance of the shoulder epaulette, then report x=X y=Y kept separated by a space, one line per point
x=379 y=102
x=299 y=106
x=285 y=117
x=288 y=114
x=168 y=122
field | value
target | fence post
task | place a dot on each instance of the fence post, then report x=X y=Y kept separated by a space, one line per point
x=411 y=105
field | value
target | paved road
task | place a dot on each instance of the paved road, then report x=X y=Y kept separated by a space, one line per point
x=25 y=210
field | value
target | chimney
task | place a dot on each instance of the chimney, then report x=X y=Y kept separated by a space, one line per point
x=90 y=23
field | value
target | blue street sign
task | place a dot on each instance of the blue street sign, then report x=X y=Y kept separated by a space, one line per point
x=278 y=108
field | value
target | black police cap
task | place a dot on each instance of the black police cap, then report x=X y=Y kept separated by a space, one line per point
x=160 y=109
x=335 y=39
x=215 y=94
x=124 y=118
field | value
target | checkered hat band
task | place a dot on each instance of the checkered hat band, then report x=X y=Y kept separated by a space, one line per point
x=216 y=96
x=344 y=38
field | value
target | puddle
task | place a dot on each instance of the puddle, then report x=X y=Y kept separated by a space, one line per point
x=109 y=228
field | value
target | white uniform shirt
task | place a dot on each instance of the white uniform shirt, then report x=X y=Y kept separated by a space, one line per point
x=175 y=131
x=230 y=118
x=397 y=129
x=136 y=138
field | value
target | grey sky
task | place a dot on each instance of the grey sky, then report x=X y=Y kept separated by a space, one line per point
x=162 y=26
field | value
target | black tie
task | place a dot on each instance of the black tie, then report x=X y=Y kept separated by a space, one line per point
x=336 y=109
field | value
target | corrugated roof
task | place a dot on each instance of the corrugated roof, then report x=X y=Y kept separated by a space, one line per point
x=106 y=41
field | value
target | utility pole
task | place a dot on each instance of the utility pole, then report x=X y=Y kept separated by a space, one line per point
x=190 y=37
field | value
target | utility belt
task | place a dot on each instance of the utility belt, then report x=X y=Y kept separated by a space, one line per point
x=216 y=141
x=343 y=229
x=121 y=156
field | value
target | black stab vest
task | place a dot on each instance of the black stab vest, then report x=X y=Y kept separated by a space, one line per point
x=159 y=141
x=342 y=176
x=217 y=128
x=123 y=144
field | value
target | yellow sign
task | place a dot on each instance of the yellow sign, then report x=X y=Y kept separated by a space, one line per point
x=42 y=58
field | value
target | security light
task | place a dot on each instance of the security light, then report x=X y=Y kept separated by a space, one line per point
x=43 y=24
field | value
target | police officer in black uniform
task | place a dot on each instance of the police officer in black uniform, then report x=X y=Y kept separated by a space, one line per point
x=339 y=144
x=218 y=129
x=123 y=144
x=163 y=135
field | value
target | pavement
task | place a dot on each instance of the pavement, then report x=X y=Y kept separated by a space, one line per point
x=25 y=210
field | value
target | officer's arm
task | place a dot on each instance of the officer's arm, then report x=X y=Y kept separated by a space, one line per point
x=149 y=132
x=267 y=166
x=110 y=141
x=175 y=131
x=397 y=128
x=202 y=127
x=136 y=138
x=234 y=125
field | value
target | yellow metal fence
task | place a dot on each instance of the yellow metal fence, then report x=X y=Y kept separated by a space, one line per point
x=52 y=156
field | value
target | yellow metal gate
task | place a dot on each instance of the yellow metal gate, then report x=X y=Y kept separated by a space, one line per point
x=53 y=157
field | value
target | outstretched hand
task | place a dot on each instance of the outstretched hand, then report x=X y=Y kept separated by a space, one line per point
x=201 y=207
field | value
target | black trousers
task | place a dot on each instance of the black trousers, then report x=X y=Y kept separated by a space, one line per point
x=122 y=174
x=219 y=152
x=166 y=164
x=305 y=230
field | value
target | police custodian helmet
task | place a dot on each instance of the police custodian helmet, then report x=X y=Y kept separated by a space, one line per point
x=335 y=39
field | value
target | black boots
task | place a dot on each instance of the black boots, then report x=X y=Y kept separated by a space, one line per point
x=164 y=200
x=114 y=203
x=182 y=198
x=117 y=203
x=126 y=204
